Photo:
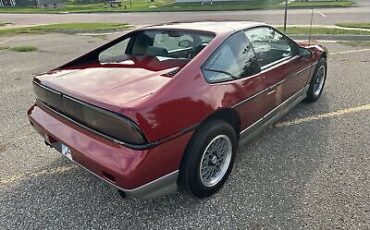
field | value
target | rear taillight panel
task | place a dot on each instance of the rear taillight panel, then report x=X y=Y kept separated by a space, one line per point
x=105 y=122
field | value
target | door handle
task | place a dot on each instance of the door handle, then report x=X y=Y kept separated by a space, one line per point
x=271 y=92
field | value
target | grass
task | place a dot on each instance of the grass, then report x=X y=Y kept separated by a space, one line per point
x=4 y=48
x=137 y=5
x=171 y=5
x=69 y=28
x=325 y=31
x=2 y=24
x=321 y=4
x=232 y=5
x=364 y=25
x=24 y=48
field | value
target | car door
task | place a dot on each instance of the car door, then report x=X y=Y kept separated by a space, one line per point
x=284 y=71
x=234 y=65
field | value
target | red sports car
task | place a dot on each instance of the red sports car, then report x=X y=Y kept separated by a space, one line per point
x=167 y=106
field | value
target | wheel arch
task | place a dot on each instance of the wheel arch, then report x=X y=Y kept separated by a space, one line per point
x=229 y=115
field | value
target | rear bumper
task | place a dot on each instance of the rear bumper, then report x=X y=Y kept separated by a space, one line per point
x=139 y=173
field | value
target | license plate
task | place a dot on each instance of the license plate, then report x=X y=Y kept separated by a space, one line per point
x=64 y=150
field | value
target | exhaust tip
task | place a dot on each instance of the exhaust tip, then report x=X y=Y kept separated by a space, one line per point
x=48 y=144
x=122 y=194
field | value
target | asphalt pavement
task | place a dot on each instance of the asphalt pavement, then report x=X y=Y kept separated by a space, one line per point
x=310 y=171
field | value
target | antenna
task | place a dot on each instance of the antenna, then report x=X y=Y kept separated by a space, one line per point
x=309 y=36
x=285 y=15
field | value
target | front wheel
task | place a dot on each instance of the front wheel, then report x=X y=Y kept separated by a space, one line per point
x=318 y=81
x=209 y=159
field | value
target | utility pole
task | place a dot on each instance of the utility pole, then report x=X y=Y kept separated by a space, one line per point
x=286 y=14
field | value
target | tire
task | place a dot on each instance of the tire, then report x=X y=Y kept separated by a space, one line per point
x=317 y=83
x=212 y=134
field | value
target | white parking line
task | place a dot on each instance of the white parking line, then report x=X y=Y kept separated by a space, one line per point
x=6 y=40
x=322 y=14
x=52 y=171
x=350 y=51
x=337 y=113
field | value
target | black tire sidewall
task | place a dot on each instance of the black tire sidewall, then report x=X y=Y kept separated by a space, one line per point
x=311 y=97
x=189 y=171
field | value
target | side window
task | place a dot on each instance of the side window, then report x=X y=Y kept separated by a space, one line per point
x=269 y=45
x=233 y=60
x=115 y=53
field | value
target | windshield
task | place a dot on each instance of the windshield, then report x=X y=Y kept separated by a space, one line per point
x=162 y=44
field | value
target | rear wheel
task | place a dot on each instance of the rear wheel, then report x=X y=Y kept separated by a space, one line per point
x=209 y=159
x=318 y=81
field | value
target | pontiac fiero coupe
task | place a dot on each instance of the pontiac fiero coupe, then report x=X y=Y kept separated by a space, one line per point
x=166 y=107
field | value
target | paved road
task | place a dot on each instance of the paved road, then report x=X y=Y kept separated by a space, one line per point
x=296 y=16
x=312 y=173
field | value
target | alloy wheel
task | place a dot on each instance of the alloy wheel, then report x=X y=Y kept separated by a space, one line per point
x=215 y=160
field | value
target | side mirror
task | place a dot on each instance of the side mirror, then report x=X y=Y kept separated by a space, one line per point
x=305 y=53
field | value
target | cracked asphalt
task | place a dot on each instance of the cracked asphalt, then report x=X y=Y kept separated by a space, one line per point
x=313 y=174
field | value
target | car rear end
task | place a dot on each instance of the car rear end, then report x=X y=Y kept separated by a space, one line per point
x=101 y=110
x=109 y=145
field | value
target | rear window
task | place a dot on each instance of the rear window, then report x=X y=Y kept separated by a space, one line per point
x=163 y=44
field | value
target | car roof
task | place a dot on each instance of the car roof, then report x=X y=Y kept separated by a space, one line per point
x=209 y=26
